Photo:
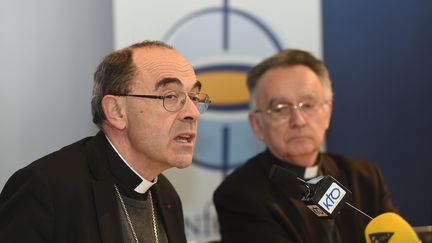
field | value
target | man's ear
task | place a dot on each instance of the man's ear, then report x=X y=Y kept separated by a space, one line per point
x=256 y=125
x=114 y=109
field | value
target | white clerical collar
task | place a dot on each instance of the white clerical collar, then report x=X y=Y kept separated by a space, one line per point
x=145 y=184
x=311 y=172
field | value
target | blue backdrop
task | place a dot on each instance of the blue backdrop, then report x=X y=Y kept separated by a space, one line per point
x=380 y=58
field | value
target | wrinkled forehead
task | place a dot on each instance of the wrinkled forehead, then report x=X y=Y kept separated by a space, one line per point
x=156 y=64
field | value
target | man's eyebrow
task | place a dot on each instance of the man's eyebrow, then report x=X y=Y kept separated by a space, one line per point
x=272 y=100
x=309 y=95
x=166 y=81
x=302 y=96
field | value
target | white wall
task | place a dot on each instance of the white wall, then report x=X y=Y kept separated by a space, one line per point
x=49 y=50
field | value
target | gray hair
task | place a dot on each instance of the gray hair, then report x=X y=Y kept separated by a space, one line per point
x=114 y=75
x=287 y=58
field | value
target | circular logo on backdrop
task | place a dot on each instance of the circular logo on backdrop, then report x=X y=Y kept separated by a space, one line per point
x=223 y=44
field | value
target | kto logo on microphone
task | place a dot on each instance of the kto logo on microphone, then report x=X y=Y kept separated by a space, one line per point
x=332 y=197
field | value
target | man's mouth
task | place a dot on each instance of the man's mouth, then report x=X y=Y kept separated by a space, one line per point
x=185 y=138
x=299 y=138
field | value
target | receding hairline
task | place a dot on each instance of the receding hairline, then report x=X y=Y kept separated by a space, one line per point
x=166 y=80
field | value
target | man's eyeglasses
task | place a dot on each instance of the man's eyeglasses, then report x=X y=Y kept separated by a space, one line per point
x=284 y=111
x=174 y=101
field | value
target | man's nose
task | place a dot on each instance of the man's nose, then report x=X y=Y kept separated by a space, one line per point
x=190 y=110
x=297 y=117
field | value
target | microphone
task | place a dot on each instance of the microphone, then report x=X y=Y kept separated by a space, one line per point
x=390 y=228
x=323 y=195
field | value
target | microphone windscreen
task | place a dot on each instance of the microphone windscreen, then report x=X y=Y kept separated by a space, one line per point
x=286 y=179
x=390 y=228
x=282 y=175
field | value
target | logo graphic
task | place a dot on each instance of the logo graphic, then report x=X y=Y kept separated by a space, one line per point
x=383 y=237
x=332 y=197
x=223 y=43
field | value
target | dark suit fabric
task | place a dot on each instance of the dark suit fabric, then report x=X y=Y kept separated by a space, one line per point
x=69 y=196
x=251 y=208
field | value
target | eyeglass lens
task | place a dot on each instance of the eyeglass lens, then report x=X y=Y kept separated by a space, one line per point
x=174 y=101
x=286 y=110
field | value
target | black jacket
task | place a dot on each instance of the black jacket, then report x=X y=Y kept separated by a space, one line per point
x=251 y=208
x=69 y=196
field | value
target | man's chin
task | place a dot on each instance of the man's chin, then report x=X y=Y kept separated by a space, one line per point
x=183 y=163
x=302 y=149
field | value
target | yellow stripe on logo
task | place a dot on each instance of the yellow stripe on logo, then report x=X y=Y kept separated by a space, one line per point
x=225 y=87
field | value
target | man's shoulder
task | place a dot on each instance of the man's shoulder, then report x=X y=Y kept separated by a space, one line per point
x=252 y=167
x=249 y=176
x=62 y=171
x=355 y=169
x=347 y=161
x=74 y=151
x=65 y=164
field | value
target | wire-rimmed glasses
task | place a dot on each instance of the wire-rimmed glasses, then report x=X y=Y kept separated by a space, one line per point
x=175 y=100
x=279 y=111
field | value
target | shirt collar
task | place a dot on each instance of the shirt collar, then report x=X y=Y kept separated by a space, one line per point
x=126 y=174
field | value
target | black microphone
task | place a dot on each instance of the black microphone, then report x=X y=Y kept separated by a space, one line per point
x=323 y=195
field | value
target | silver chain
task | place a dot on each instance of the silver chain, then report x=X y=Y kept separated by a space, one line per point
x=130 y=221
x=155 y=230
